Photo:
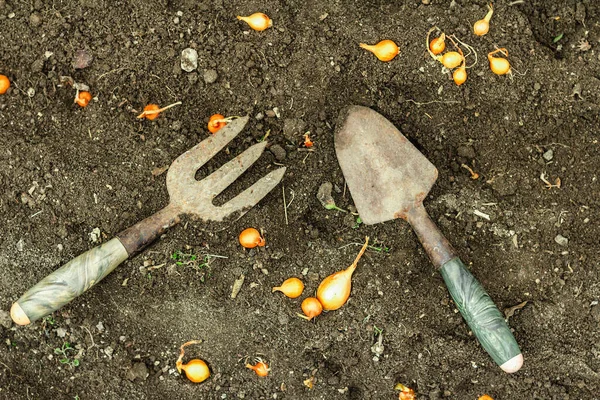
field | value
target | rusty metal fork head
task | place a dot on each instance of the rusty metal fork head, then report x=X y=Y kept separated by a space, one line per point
x=194 y=197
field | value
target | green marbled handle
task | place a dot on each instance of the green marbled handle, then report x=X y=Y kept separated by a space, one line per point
x=68 y=282
x=480 y=312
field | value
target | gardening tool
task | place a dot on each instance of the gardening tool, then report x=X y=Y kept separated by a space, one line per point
x=187 y=196
x=388 y=179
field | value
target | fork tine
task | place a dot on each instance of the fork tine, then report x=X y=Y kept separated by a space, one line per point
x=249 y=197
x=224 y=176
x=185 y=166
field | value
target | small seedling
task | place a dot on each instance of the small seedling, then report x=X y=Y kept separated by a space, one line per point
x=66 y=358
x=325 y=197
x=199 y=263
x=357 y=223
x=49 y=320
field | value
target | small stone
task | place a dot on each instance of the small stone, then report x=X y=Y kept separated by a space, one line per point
x=548 y=155
x=561 y=240
x=137 y=371
x=259 y=116
x=189 y=60
x=537 y=86
x=210 y=76
x=11 y=15
x=278 y=151
x=270 y=113
x=35 y=20
x=31 y=92
x=100 y=327
x=20 y=245
x=61 y=332
x=176 y=20
x=109 y=351
x=5 y=319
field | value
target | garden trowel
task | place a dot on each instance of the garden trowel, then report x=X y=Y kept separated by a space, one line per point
x=388 y=179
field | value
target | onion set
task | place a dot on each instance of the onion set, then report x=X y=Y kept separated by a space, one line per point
x=311 y=307
x=385 y=50
x=4 y=84
x=261 y=368
x=498 y=65
x=151 y=111
x=482 y=26
x=250 y=238
x=292 y=288
x=196 y=370
x=82 y=99
x=333 y=292
x=257 y=21
x=218 y=121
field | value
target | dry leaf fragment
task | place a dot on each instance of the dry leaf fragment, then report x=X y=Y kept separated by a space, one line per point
x=237 y=286
x=159 y=170
x=509 y=312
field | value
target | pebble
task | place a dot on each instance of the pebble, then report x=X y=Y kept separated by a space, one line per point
x=260 y=116
x=548 y=155
x=270 y=113
x=278 y=151
x=35 y=20
x=210 y=76
x=61 y=332
x=137 y=371
x=537 y=86
x=561 y=240
x=189 y=60
x=5 y=319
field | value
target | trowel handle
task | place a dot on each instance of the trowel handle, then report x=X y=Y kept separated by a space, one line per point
x=482 y=315
x=475 y=305
x=68 y=282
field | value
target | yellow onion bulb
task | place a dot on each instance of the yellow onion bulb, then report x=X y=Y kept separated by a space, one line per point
x=333 y=292
x=460 y=75
x=482 y=26
x=250 y=238
x=291 y=287
x=438 y=44
x=385 y=50
x=311 y=307
x=498 y=65
x=257 y=21
x=196 y=370
x=451 y=59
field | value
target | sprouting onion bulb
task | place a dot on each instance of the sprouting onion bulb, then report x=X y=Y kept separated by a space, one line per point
x=250 y=238
x=291 y=287
x=438 y=44
x=385 y=50
x=196 y=370
x=482 y=26
x=334 y=291
x=451 y=59
x=460 y=75
x=311 y=307
x=151 y=111
x=261 y=368
x=257 y=21
x=498 y=65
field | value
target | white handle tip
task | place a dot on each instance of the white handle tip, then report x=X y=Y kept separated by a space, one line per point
x=18 y=315
x=513 y=365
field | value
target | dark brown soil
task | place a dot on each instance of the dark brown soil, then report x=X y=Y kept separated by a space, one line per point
x=65 y=171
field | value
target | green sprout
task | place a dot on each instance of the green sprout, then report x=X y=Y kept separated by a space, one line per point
x=66 y=358
x=199 y=263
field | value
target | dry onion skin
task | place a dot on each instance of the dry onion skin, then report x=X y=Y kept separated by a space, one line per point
x=291 y=287
x=333 y=292
x=196 y=370
x=385 y=50
x=261 y=368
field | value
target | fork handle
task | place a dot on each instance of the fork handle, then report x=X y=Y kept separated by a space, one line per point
x=68 y=282
x=89 y=268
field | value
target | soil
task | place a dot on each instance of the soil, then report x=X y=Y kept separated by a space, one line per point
x=66 y=170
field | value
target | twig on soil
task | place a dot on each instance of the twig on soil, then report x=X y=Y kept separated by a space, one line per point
x=516 y=2
x=110 y=72
x=91 y=337
x=431 y=102
x=284 y=204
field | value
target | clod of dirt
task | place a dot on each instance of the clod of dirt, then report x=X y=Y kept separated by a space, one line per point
x=82 y=59
x=5 y=319
x=293 y=128
x=278 y=151
x=561 y=240
x=210 y=76
x=466 y=151
x=189 y=60
x=504 y=185
x=137 y=371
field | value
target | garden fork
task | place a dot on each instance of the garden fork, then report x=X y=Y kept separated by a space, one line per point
x=187 y=196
